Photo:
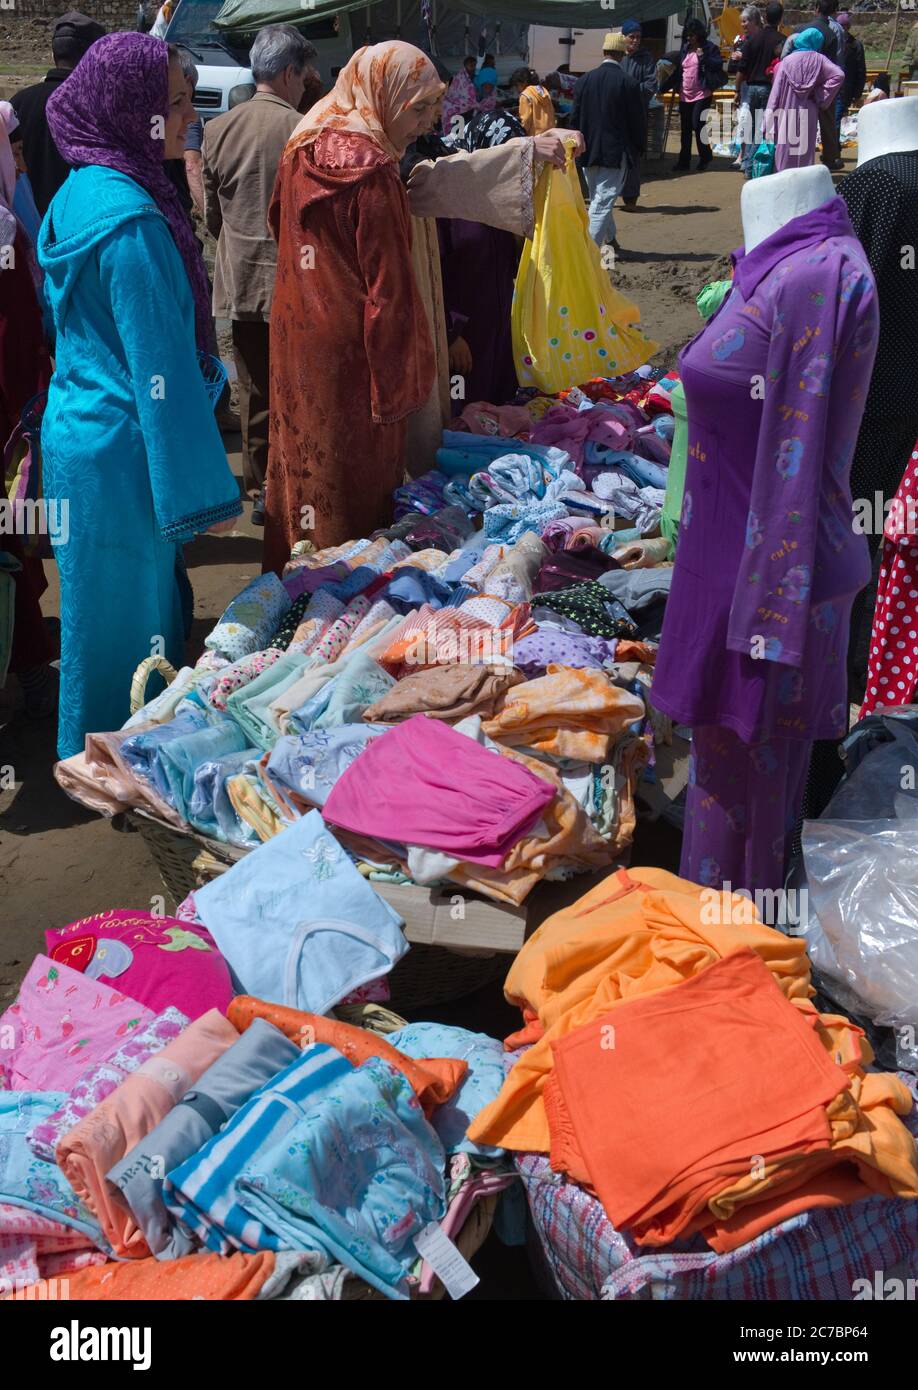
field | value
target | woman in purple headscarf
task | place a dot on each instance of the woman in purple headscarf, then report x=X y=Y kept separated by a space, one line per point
x=133 y=461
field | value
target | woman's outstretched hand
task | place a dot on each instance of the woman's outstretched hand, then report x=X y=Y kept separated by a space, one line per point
x=550 y=145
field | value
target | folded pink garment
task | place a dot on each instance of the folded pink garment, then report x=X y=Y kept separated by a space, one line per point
x=424 y=784
x=585 y=538
x=101 y=1140
x=159 y=961
x=566 y=526
x=104 y=1077
x=484 y=1184
x=481 y=417
x=32 y=1247
x=61 y=1023
x=100 y=779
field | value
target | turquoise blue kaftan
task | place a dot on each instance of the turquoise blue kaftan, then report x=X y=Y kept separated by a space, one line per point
x=131 y=452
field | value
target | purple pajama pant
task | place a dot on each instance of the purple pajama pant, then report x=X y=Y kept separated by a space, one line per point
x=741 y=808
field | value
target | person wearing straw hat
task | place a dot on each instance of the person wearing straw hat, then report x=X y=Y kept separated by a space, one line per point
x=608 y=110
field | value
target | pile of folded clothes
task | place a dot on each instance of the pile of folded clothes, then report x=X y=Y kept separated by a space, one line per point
x=162 y=1136
x=517 y=616
x=777 y=1110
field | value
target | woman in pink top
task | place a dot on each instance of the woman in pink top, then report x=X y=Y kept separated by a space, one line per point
x=805 y=82
x=700 y=71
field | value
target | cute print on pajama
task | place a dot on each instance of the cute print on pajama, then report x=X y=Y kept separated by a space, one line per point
x=788 y=457
x=816 y=374
x=754 y=533
x=729 y=343
x=795 y=585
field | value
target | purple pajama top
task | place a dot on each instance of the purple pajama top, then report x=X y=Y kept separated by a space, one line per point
x=768 y=562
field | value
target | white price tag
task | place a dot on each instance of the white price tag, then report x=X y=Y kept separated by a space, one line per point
x=458 y=1276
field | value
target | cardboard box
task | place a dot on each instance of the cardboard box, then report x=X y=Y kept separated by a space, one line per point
x=456 y=918
x=452 y=917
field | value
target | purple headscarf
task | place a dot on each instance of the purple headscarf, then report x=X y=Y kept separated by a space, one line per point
x=104 y=114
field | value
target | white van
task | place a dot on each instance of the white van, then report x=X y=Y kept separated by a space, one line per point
x=222 y=57
x=581 y=49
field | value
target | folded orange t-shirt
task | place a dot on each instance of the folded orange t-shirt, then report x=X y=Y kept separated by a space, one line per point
x=632 y=935
x=838 y=1186
x=666 y=1097
x=433 y=1080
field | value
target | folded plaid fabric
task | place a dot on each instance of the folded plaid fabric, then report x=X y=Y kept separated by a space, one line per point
x=442 y=636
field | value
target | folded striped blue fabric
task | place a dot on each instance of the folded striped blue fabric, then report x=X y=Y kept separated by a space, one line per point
x=201 y=1192
x=359 y=1177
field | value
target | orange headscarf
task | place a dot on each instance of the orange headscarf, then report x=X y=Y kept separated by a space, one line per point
x=375 y=95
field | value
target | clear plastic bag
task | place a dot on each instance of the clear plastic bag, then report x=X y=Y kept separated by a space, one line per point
x=862 y=927
x=861 y=867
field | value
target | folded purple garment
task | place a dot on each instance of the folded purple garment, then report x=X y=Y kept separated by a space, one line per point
x=569 y=567
x=533 y=654
x=424 y=784
x=306 y=580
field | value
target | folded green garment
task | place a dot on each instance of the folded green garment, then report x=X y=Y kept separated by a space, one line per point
x=249 y=706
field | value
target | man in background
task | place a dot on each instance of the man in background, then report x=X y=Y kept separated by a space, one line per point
x=640 y=64
x=241 y=152
x=608 y=110
x=910 y=56
x=774 y=13
x=194 y=164
x=757 y=51
x=72 y=34
x=854 y=63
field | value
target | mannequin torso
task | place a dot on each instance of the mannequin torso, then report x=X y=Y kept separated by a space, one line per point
x=887 y=127
x=769 y=203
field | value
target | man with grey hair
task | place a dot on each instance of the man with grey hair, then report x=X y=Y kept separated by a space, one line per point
x=242 y=150
x=751 y=59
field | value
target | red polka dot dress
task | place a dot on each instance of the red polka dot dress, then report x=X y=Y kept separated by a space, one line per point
x=892 y=671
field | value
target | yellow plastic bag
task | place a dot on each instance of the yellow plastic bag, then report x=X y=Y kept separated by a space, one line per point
x=568 y=323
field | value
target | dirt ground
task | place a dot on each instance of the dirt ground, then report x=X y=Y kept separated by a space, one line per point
x=59 y=862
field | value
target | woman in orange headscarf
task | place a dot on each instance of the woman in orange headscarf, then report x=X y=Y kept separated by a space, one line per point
x=351 y=354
